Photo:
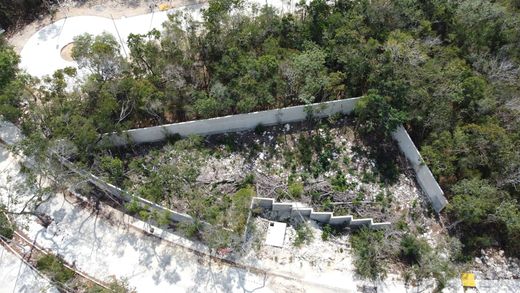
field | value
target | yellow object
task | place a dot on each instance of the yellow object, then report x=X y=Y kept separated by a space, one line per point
x=164 y=6
x=468 y=280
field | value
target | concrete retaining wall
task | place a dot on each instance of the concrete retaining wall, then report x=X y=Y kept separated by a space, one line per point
x=232 y=123
x=248 y=121
x=424 y=176
x=295 y=210
x=123 y=195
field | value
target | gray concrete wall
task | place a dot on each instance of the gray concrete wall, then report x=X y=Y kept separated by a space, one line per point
x=284 y=115
x=424 y=176
x=296 y=211
x=232 y=123
x=340 y=220
x=119 y=193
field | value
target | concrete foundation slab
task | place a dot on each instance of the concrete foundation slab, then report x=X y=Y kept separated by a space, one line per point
x=275 y=234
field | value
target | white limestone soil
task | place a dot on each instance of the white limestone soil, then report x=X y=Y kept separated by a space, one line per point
x=16 y=276
x=105 y=248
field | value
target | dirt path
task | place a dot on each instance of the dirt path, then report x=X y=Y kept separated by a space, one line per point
x=103 y=8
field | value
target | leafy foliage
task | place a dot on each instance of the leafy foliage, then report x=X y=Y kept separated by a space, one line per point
x=448 y=69
x=377 y=116
x=6 y=230
x=369 y=258
x=303 y=235
x=53 y=266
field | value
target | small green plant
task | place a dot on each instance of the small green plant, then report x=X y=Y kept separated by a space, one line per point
x=413 y=249
x=114 y=169
x=326 y=232
x=303 y=235
x=248 y=180
x=327 y=205
x=172 y=138
x=192 y=229
x=334 y=118
x=296 y=189
x=360 y=197
x=369 y=253
x=133 y=207
x=144 y=215
x=189 y=143
x=54 y=267
x=164 y=218
x=6 y=229
x=368 y=177
x=240 y=203
x=339 y=182
x=401 y=225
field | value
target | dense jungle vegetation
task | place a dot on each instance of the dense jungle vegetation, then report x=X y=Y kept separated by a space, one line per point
x=448 y=69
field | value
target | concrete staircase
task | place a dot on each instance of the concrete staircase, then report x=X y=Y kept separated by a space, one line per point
x=289 y=210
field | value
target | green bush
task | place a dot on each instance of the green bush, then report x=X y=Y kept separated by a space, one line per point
x=327 y=205
x=163 y=218
x=303 y=235
x=369 y=253
x=6 y=230
x=133 y=207
x=296 y=189
x=53 y=266
x=114 y=168
x=248 y=180
x=326 y=232
x=413 y=249
x=192 y=229
x=340 y=183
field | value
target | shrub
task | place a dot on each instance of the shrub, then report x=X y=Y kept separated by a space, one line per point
x=377 y=116
x=190 y=142
x=326 y=232
x=114 y=168
x=248 y=180
x=339 y=183
x=54 y=267
x=296 y=189
x=164 y=218
x=413 y=249
x=6 y=230
x=172 y=138
x=192 y=229
x=133 y=207
x=303 y=235
x=327 y=205
x=369 y=253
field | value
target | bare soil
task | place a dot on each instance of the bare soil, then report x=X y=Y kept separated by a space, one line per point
x=66 y=52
